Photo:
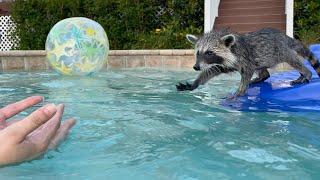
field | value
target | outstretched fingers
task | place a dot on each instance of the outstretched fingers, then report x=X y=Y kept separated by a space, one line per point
x=45 y=133
x=19 y=130
x=62 y=133
x=15 y=108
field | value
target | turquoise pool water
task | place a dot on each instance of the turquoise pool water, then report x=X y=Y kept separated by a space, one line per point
x=133 y=124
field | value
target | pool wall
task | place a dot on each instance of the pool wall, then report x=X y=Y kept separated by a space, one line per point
x=118 y=59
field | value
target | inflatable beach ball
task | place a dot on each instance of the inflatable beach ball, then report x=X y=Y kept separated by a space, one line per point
x=77 y=46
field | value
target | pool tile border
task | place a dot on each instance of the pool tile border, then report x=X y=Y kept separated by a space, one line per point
x=118 y=59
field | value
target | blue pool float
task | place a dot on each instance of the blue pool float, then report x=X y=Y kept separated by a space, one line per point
x=276 y=93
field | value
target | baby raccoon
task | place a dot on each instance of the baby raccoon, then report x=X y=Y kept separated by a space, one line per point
x=221 y=51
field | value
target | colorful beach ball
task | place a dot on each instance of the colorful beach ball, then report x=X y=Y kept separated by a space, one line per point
x=77 y=46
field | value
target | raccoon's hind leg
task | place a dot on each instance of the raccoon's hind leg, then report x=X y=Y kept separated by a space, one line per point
x=305 y=74
x=263 y=74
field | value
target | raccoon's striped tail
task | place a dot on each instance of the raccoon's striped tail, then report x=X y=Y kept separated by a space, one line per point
x=314 y=62
x=305 y=53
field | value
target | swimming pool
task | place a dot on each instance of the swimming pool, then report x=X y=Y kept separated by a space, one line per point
x=133 y=124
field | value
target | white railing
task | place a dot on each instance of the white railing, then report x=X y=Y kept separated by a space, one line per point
x=6 y=26
x=289 y=17
x=210 y=13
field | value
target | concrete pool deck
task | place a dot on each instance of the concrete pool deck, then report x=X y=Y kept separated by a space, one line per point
x=31 y=60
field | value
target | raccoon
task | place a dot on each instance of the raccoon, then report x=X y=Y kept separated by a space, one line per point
x=223 y=51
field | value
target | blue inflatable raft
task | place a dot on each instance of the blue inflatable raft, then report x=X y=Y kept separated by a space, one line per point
x=276 y=93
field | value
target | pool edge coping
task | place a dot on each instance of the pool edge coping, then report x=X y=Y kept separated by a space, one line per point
x=28 y=60
x=163 y=52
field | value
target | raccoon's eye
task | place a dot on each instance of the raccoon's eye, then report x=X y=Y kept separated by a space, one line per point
x=209 y=53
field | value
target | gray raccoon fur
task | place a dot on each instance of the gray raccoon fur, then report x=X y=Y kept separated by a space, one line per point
x=222 y=51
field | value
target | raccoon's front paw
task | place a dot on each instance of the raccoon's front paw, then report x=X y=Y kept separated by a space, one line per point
x=184 y=87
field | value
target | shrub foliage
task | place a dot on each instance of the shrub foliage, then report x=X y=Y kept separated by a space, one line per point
x=307 y=21
x=130 y=24
x=138 y=24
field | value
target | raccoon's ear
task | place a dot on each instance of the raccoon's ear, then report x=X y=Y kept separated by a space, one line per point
x=228 y=40
x=192 y=38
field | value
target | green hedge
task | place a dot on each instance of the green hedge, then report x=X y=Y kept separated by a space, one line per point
x=130 y=24
x=138 y=24
x=307 y=21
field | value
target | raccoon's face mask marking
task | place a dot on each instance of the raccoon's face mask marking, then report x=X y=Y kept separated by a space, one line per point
x=209 y=57
x=206 y=60
x=212 y=49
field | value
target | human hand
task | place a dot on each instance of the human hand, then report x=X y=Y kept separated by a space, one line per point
x=34 y=135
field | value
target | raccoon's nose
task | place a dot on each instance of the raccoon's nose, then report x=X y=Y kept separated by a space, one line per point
x=196 y=67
